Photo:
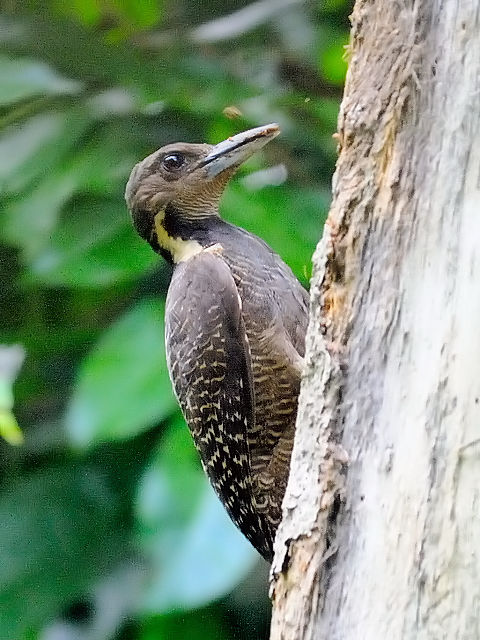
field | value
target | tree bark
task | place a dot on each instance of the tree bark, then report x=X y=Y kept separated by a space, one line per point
x=381 y=529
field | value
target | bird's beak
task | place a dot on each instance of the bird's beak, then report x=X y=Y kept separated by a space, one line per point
x=232 y=152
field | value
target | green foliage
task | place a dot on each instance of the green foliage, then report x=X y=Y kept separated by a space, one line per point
x=332 y=59
x=107 y=482
x=93 y=247
x=11 y=360
x=22 y=79
x=184 y=627
x=122 y=386
x=59 y=532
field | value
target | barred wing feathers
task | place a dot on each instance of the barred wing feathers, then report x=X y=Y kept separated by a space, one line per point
x=210 y=366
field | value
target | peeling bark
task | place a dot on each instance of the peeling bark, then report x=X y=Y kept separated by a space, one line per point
x=381 y=529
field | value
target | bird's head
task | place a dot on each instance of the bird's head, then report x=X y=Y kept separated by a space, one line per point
x=188 y=178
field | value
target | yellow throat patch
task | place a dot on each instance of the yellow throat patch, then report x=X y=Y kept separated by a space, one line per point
x=179 y=249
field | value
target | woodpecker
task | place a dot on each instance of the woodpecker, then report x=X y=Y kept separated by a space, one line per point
x=235 y=324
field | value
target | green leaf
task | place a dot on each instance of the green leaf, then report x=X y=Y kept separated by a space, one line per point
x=135 y=14
x=59 y=533
x=100 y=167
x=29 y=220
x=22 y=78
x=196 y=553
x=86 y=11
x=95 y=245
x=29 y=150
x=334 y=5
x=123 y=386
x=332 y=59
x=173 y=471
x=138 y=14
x=203 y=624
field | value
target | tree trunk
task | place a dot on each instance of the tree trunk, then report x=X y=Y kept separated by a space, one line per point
x=381 y=530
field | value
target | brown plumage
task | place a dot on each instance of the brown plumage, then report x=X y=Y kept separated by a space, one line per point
x=236 y=318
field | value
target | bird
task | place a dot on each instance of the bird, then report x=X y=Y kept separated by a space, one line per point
x=235 y=323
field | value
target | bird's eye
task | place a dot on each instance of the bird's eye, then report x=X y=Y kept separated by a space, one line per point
x=173 y=161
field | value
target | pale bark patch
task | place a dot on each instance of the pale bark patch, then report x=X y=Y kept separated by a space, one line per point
x=393 y=348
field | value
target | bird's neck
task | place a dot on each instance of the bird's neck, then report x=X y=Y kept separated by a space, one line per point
x=181 y=236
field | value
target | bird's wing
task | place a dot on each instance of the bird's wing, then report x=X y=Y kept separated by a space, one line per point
x=209 y=363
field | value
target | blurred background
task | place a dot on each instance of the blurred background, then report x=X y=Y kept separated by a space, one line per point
x=108 y=528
